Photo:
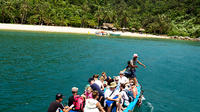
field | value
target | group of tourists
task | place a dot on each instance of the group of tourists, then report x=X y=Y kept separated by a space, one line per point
x=103 y=92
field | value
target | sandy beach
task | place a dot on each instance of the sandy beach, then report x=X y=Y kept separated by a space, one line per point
x=43 y=28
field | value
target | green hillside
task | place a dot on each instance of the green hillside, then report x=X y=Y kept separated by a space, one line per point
x=171 y=17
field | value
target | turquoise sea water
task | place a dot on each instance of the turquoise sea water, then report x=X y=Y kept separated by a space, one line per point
x=36 y=66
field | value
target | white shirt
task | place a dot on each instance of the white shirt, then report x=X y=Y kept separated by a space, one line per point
x=124 y=97
x=108 y=93
x=90 y=105
x=99 y=83
x=122 y=79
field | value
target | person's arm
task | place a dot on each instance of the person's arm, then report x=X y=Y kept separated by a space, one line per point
x=67 y=108
x=124 y=69
x=141 y=63
x=109 y=77
x=100 y=107
x=102 y=86
x=100 y=91
x=100 y=98
x=108 y=98
x=133 y=66
x=70 y=101
x=134 y=90
x=117 y=99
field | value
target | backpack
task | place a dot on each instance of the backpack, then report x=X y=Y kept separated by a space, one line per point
x=78 y=103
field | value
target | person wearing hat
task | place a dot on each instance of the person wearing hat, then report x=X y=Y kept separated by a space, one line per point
x=135 y=60
x=122 y=79
x=74 y=93
x=112 y=97
x=57 y=105
x=131 y=68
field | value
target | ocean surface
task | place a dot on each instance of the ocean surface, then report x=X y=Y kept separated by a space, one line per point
x=35 y=66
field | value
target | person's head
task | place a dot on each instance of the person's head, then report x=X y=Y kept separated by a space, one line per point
x=122 y=86
x=116 y=79
x=131 y=82
x=87 y=86
x=91 y=80
x=113 y=86
x=89 y=89
x=121 y=73
x=129 y=63
x=74 y=90
x=109 y=81
x=101 y=79
x=95 y=94
x=103 y=74
x=96 y=76
x=59 y=97
x=135 y=56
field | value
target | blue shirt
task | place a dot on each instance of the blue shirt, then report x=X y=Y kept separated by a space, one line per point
x=96 y=87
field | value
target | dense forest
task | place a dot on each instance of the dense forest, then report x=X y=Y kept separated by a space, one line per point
x=171 y=17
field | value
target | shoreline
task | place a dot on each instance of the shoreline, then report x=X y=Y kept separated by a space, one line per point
x=90 y=31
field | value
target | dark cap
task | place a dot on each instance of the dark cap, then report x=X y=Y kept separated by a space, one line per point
x=90 y=79
x=58 y=96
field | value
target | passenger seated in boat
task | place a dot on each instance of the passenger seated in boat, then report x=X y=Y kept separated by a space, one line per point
x=124 y=97
x=98 y=82
x=134 y=90
x=103 y=82
x=110 y=81
x=112 y=97
x=116 y=80
x=92 y=105
x=106 y=78
x=88 y=92
x=74 y=93
x=94 y=87
x=76 y=100
x=131 y=88
x=122 y=78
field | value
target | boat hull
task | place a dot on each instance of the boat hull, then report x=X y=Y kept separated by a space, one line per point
x=114 y=34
